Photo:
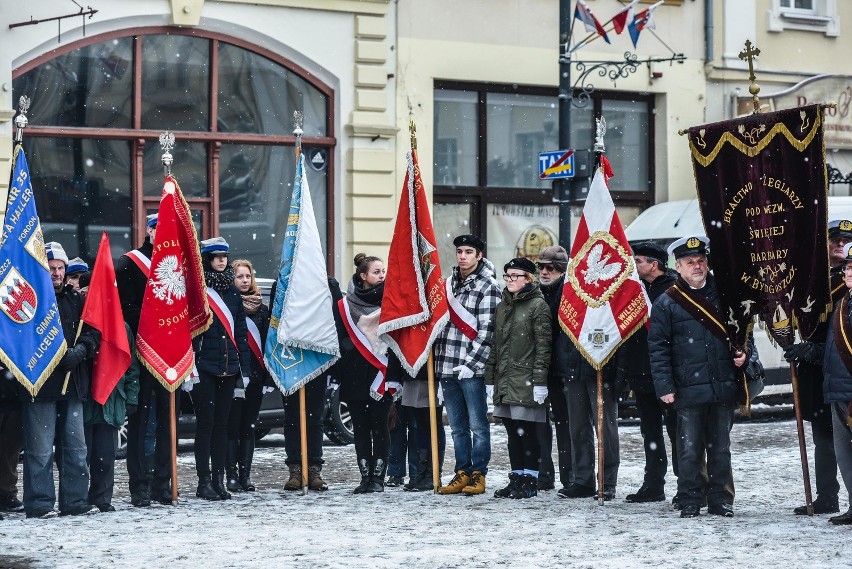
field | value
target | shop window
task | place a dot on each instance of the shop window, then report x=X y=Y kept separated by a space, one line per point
x=806 y=15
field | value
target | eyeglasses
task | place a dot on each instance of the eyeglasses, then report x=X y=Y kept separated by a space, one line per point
x=543 y=267
x=508 y=277
x=847 y=269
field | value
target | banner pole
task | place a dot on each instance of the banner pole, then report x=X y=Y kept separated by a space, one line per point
x=173 y=440
x=303 y=438
x=800 y=429
x=68 y=373
x=433 y=421
x=600 y=439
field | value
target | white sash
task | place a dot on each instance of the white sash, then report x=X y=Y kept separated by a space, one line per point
x=254 y=341
x=224 y=313
x=140 y=260
x=461 y=316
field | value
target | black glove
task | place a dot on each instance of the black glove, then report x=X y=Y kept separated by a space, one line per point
x=803 y=351
x=72 y=358
x=131 y=409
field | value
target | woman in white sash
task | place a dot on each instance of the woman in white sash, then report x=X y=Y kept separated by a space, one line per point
x=244 y=411
x=362 y=360
x=222 y=357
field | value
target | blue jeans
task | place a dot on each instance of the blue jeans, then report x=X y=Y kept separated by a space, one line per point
x=467 y=411
x=43 y=420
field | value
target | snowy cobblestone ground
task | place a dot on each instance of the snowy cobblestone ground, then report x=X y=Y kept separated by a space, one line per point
x=398 y=529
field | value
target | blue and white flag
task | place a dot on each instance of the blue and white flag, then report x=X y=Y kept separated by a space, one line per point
x=30 y=328
x=302 y=339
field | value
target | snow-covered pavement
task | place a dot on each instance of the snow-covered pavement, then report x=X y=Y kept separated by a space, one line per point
x=398 y=529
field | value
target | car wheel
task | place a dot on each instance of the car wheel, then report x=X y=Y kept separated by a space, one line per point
x=260 y=433
x=121 y=446
x=338 y=421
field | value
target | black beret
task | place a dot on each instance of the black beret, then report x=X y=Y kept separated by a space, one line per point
x=471 y=241
x=522 y=264
x=652 y=250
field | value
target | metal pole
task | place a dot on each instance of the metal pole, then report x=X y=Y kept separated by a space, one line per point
x=564 y=186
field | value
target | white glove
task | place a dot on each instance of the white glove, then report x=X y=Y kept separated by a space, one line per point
x=539 y=393
x=187 y=385
x=489 y=392
x=395 y=385
x=246 y=381
x=267 y=389
x=464 y=371
x=440 y=395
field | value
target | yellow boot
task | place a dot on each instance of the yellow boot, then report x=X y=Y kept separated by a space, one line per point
x=459 y=481
x=476 y=484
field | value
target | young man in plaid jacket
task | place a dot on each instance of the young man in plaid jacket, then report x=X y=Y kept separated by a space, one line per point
x=461 y=351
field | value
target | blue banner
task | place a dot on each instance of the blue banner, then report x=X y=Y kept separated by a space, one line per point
x=33 y=342
x=302 y=340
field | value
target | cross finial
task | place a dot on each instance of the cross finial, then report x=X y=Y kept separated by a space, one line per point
x=749 y=53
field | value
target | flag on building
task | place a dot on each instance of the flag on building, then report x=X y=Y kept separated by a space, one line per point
x=174 y=308
x=103 y=312
x=414 y=305
x=583 y=13
x=302 y=339
x=603 y=300
x=625 y=17
x=642 y=20
x=30 y=328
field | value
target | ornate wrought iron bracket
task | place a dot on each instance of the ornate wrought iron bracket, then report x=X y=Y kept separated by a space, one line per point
x=582 y=88
x=835 y=176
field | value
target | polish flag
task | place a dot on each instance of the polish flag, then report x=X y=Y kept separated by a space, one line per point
x=583 y=13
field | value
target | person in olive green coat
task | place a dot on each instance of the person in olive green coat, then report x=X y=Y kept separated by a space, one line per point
x=102 y=423
x=516 y=373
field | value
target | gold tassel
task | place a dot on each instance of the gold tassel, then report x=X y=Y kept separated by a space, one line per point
x=745 y=410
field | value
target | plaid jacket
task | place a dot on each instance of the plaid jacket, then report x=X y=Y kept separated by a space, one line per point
x=480 y=294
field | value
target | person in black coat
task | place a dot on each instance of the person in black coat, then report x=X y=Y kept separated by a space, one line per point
x=358 y=335
x=244 y=410
x=131 y=276
x=11 y=441
x=222 y=356
x=651 y=260
x=694 y=369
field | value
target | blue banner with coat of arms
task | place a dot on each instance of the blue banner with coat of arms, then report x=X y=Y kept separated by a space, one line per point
x=30 y=328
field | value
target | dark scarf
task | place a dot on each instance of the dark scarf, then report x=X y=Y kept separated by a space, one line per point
x=553 y=295
x=219 y=281
x=364 y=304
x=251 y=302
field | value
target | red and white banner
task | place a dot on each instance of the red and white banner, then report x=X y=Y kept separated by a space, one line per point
x=461 y=316
x=174 y=308
x=414 y=305
x=140 y=260
x=603 y=300
x=255 y=345
x=380 y=361
x=223 y=313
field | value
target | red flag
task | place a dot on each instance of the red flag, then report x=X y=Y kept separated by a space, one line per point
x=414 y=305
x=603 y=300
x=174 y=308
x=624 y=18
x=103 y=312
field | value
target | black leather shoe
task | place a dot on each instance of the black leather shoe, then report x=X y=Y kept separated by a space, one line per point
x=10 y=504
x=646 y=494
x=163 y=497
x=394 y=481
x=821 y=506
x=106 y=507
x=724 y=510
x=676 y=505
x=545 y=483
x=141 y=499
x=842 y=519
x=690 y=511
x=576 y=491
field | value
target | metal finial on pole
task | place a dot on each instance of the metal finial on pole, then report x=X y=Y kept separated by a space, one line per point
x=412 y=129
x=600 y=131
x=21 y=120
x=749 y=53
x=167 y=142
x=298 y=121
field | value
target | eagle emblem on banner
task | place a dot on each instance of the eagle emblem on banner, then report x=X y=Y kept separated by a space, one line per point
x=600 y=268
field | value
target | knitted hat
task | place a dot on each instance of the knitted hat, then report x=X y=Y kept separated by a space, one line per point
x=215 y=245
x=76 y=265
x=55 y=252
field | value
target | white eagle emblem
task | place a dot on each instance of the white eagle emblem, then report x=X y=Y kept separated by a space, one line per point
x=598 y=269
x=170 y=281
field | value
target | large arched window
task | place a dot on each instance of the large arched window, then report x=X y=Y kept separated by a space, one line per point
x=97 y=111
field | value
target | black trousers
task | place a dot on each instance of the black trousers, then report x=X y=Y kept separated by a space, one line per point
x=704 y=428
x=315 y=409
x=211 y=399
x=558 y=412
x=825 y=461
x=11 y=443
x=653 y=416
x=101 y=440
x=151 y=394
x=244 y=413
x=524 y=447
x=403 y=442
x=424 y=429
x=370 y=423
x=583 y=423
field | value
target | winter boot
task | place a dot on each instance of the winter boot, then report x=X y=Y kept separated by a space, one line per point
x=646 y=494
x=218 y=483
x=514 y=479
x=422 y=482
x=205 y=489
x=364 y=468
x=527 y=487
x=315 y=481
x=476 y=484
x=377 y=479
x=233 y=483
x=458 y=482
x=246 y=455
x=295 y=481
